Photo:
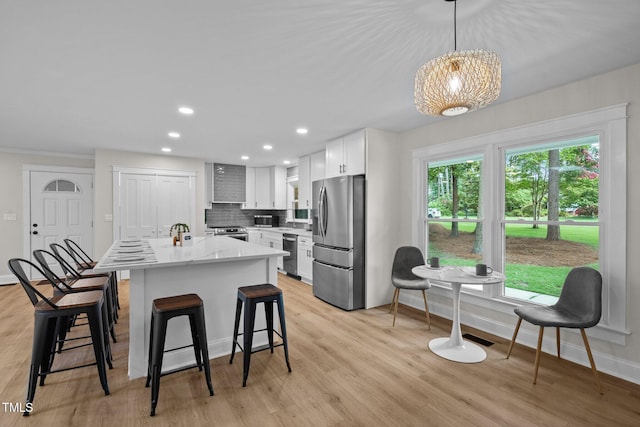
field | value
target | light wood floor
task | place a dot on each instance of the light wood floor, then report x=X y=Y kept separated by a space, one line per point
x=349 y=369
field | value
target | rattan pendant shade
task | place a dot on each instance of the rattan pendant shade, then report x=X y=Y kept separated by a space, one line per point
x=458 y=81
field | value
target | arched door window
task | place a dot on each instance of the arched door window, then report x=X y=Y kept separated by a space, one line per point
x=62 y=186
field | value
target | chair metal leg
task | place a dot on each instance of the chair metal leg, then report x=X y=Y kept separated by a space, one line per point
x=395 y=305
x=515 y=334
x=593 y=365
x=538 y=351
x=558 y=340
x=426 y=308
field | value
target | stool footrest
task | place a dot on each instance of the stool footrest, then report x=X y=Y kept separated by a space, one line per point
x=178 y=348
x=184 y=368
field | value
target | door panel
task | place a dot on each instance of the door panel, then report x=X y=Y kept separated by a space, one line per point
x=61 y=207
x=339 y=232
x=139 y=217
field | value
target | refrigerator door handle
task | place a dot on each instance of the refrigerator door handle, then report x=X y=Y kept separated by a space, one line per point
x=320 y=211
x=325 y=214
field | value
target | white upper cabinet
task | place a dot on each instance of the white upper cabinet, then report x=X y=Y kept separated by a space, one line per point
x=278 y=187
x=266 y=188
x=263 y=188
x=304 y=182
x=346 y=155
x=251 y=189
x=317 y=165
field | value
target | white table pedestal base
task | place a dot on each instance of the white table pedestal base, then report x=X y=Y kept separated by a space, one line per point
x=468 y=352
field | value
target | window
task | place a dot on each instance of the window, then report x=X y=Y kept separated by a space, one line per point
x=550 y=219
x=62 y=185
x=534 y=202
x=453 y=207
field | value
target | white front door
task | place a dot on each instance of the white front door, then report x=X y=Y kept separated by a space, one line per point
x=61 y=207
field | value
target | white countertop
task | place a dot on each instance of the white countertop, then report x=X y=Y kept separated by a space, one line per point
x=154 y=253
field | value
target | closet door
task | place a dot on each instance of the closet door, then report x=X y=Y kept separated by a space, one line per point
x=173 y=202
x=138 y=211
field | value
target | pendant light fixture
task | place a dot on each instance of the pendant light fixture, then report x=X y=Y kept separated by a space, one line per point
x=458 y=82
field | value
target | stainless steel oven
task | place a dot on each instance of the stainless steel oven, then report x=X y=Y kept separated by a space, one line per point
x=235 y=232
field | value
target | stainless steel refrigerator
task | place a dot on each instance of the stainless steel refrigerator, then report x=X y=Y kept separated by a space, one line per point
x=339 y=237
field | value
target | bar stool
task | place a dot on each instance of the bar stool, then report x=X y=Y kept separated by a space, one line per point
x=252 y=295
x=164 y=309
x=48 y=313
x=78 y=283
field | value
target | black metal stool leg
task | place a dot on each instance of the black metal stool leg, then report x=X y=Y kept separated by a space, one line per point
x=235 y=329
x=249 y=320
x=268 y=311
x=156 y=360
x=95 y=315
x=39 y=338
x=204 y=348
x=150 y=359
x=283 y=329
x=197 y=351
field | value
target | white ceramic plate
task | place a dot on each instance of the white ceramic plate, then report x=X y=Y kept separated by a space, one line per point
x=129 y=258
x=130 y=245
x=130 y=251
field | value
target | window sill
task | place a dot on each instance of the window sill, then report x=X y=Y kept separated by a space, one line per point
x=505 y=305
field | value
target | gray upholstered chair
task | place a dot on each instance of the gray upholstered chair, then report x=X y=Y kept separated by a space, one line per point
x=405 y=259
x=579 y=306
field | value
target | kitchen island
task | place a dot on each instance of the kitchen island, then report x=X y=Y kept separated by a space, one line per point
x=212 y=267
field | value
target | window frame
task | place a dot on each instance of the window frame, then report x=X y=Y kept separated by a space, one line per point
x=610 y=123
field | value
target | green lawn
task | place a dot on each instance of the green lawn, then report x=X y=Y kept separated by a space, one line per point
x=533 y=278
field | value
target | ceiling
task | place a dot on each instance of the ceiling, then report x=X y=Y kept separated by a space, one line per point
x=76 y=76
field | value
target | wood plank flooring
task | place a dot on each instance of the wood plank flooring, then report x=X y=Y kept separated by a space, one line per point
x=349 y=369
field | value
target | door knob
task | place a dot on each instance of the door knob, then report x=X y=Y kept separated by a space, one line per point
x=35 y=225
x=35 y=232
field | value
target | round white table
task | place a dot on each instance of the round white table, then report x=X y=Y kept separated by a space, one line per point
x=454 y=347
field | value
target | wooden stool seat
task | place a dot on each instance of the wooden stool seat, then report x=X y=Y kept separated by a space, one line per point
x=251 y=295
x=179 y=302
x=162 y=310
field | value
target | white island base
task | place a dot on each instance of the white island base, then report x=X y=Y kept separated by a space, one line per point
x=213 y=268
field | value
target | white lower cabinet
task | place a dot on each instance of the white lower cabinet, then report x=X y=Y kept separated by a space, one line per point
x=305 y=259
x=254 y=236
x=272 y=240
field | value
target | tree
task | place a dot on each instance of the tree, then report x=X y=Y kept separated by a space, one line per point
x=553 y=197
x=530 y=171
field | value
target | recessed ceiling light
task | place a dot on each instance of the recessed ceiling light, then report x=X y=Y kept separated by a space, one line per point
x=166 y=149
x=245 y=157
x=302 y=131
x=187 y=111
x=286 y=162
x=267 y=147
x=174 y=135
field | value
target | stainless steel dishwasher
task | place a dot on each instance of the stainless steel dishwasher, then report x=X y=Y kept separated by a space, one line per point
x=290 y=244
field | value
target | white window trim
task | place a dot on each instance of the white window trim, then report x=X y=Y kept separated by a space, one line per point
x=611 y=124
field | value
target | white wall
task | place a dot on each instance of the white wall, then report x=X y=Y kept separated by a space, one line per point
x=11 y=201
x=383 y=202
x=608 y=89
x=105 y=160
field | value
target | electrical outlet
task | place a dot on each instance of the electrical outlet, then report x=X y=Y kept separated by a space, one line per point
x=108 y=217
x=10 y=217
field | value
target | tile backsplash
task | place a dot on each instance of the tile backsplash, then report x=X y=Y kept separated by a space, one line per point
x=230 y=214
